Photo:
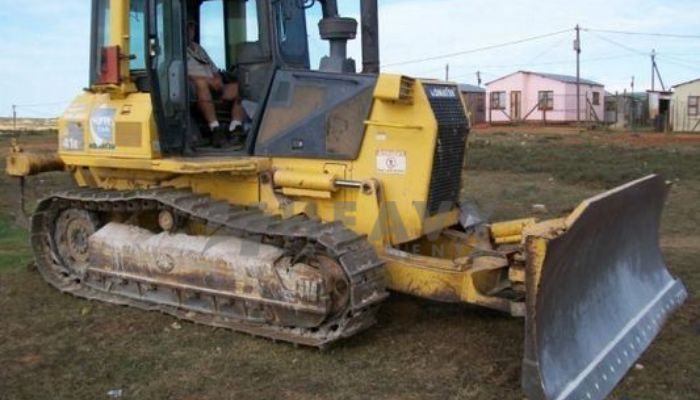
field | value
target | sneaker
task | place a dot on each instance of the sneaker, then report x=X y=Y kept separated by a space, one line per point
x=238 y=136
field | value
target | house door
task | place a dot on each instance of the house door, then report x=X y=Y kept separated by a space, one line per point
x=516 y=105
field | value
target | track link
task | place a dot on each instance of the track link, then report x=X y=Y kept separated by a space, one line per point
x=361 y=266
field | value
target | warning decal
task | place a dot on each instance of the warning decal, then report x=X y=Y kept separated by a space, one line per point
x=391 y=162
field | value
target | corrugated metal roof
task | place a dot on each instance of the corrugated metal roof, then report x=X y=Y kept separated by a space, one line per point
x=686 y=83
x=465 y=87
x=565 y=78
x=634 y=95
x=554 y=77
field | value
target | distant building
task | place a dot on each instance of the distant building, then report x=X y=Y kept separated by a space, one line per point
x=627 y=110
x=526 y=96
x=685 y=107
x=475 y=100
x=611 y=108
x=659 y=109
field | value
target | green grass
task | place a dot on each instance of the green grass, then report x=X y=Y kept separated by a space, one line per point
x=605 y=165
x=14 y=245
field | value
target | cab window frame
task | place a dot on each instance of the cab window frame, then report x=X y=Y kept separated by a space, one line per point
x=99 y=37
x=138 y=64
x=292 y=38
x=219 y=52
x=235 y=39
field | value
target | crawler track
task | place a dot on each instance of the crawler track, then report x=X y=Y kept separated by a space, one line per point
x=362 y=268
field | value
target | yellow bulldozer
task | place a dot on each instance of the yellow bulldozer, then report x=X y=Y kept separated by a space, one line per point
x=338 y=187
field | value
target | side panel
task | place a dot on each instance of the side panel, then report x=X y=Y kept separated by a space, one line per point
x=98 y=126
x=400 y=151
x=315 y=115
x=400 y=148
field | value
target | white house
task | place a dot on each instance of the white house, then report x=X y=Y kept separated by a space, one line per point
x=685 y=107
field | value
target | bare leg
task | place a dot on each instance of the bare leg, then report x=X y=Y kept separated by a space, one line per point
x=204 y=99
x=230 y=92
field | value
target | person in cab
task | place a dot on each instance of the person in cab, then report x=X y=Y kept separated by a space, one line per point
x=208 y=81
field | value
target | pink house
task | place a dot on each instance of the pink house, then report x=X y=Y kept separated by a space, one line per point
x=541 y=97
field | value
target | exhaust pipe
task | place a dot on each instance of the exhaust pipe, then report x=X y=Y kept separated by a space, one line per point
x=337 y=31
x=370 y=36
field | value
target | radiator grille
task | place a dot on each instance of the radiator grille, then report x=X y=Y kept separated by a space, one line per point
x=453 y=129
x=406 y=90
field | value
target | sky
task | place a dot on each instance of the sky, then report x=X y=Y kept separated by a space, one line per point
x=45 y=44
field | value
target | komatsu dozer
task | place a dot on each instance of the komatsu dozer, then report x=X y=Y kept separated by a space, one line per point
x=345 y=186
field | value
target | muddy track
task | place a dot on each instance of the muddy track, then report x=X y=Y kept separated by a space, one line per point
x=362 y=268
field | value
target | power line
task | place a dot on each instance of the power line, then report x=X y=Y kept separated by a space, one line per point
x=549 y=49
x=668 y=35
x=588 y=30
x=546 y=63
x=608 y=58
x=430 y=71
x=684 y=54
x=677 y=63
x=491 y=47
x=666 y=59
x=680 y=60
x=618 y=44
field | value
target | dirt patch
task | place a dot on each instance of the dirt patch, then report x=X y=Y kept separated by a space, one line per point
x=42 y=141
x=529 y=129
x=638 y=139
x=27 y=124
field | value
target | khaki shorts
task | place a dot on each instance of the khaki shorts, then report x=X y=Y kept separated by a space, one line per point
x=198 y=70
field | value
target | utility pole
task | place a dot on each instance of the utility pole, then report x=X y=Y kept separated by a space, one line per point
x=447 y=72
x=655 y=72
x=653 y=69
x=478 y=77
x=577 y=48
x=633 y=106
x=14 y=118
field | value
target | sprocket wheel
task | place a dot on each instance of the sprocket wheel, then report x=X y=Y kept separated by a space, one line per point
x=71 y=235
x=339 y=288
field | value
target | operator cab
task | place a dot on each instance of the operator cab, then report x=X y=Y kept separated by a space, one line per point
x=227 y=34
x=262 y=47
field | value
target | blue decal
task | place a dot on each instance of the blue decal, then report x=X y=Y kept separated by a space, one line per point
x=102 y=128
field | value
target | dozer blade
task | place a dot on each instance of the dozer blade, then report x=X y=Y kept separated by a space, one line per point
x=597 y=294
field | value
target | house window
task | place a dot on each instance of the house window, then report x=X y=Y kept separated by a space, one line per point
x=498 y=100
x=693 y=104
x=596 y=98
x=546 y=100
